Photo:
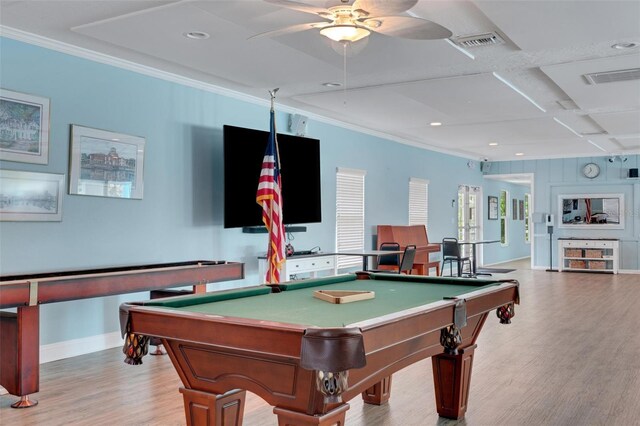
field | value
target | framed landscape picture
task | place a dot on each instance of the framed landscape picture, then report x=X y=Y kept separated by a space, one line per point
x=493 y=207
x=24 y=127
x=106 y=164
x=33 y=197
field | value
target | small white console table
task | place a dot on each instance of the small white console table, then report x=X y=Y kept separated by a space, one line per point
x=588 y=255
x=305 y=264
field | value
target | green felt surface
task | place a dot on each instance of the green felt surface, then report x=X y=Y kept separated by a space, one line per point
x=298 y=306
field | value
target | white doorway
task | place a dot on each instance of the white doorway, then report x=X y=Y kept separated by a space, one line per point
x=527 y=180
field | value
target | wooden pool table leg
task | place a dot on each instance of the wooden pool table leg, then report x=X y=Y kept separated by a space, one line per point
x=379 y=393
x=451 y=378
x=20 y=354
x=202 y=408
x=294 y=418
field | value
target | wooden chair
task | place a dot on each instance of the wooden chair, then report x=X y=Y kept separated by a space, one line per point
x=451 y=253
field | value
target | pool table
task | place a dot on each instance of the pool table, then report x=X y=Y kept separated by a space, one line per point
x=308 y=357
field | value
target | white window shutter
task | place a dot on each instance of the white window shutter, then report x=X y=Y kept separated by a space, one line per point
x=349 y=215
x=418 y=201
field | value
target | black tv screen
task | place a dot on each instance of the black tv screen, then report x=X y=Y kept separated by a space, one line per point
x=300 y=172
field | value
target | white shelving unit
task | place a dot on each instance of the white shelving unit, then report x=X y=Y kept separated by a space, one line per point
x=296 y=267
x=588 y=255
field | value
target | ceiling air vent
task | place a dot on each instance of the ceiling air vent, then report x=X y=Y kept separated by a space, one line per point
x=479 y=40
x=611 y=76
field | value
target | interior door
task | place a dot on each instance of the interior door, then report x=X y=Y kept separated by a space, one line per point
x=469 y=217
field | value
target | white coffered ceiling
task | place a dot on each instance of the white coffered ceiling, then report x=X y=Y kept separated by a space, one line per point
x=394 y=87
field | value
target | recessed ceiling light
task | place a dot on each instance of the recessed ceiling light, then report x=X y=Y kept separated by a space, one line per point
x=196 y=35
x=115 y=139
x=435 y=124
x=623 y=46
x=493 y=143
x=519 y=154
x=330 y=84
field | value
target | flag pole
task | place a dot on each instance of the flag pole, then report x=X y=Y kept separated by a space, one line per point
x=272 y=93
x=269 y=197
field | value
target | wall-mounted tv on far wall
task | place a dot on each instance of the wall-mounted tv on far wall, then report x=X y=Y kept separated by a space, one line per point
x=300 y=170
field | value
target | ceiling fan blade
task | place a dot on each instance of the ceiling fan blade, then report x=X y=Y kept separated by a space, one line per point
x=384 y=7
x=292 y=29
x=301 y=7
x=407 y=27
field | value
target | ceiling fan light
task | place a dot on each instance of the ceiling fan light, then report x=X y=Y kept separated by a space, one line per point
x=345 y=32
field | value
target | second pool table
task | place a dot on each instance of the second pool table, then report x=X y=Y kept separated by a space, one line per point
x=307 y=357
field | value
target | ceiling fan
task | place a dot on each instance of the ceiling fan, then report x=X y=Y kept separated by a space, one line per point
x=349 y=21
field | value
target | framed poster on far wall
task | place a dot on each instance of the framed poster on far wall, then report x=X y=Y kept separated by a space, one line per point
x=106 y=164
x=30 y=197
x=24 y=127
x=493 y=208
x=514 y=209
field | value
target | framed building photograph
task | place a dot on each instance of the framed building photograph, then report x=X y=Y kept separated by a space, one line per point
x=493 y=207
x=106 y=164
x=30 y=197
x=24 y=127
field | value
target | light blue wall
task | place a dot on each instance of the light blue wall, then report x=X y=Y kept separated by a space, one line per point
x=180 y=216
x=563 y=176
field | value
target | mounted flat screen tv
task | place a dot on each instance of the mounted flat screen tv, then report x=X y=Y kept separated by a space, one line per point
x=300 y=170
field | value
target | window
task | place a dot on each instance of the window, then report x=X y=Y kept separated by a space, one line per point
x=418 y=201
x=349 y=215
x=504 y=205
x=527 y=224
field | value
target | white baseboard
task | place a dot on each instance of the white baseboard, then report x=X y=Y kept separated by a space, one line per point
x=75 y=347
x=505 y=261
x=620 y=271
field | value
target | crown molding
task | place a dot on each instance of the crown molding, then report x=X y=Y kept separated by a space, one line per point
x=102 y=58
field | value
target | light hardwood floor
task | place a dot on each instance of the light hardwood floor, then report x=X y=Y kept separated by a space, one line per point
x=570 y=357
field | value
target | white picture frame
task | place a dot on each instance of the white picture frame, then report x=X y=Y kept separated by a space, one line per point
x=106 y=164
x=24 y=127
x=30 y=197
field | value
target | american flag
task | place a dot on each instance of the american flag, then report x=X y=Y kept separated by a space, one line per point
x=269 y=197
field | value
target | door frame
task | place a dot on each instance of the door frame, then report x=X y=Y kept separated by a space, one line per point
x=530 y=178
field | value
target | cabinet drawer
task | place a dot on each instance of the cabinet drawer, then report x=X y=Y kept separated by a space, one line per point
x=310 y=264
x=589 y=244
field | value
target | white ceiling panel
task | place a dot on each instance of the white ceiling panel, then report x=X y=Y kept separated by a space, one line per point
x=619 y=123
x=629 y=144
x=388 y=115
x=227 y=53
x=538 y=130
x=564 y=23
x=470 y=98
x=623 y=95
